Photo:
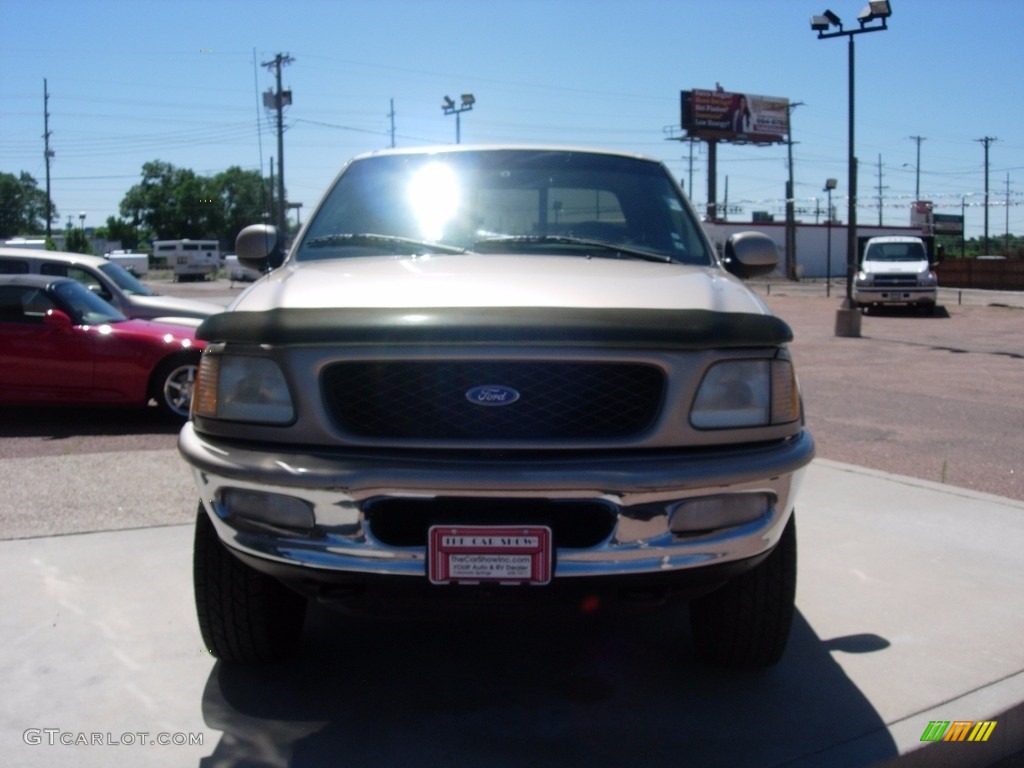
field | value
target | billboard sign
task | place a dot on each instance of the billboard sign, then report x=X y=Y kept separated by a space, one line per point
x=735 y=117
x=922 y=214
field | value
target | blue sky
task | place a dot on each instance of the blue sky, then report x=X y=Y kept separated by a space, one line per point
x=180 y=82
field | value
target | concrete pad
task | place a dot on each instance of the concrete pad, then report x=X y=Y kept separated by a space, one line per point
x=909 y=611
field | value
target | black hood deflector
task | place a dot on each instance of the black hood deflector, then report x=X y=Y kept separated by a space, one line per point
x=546 y=326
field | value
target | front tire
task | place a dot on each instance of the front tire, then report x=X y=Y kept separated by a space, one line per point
x=245 y=616
x=746 y=623
x=172 y=386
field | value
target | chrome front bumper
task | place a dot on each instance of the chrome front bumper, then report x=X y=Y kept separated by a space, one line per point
x=642 y=489
x=894 y=295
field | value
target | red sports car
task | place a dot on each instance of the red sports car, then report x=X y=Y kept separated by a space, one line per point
x=61 y=343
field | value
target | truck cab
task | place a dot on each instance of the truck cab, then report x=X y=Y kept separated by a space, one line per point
x=895 y=270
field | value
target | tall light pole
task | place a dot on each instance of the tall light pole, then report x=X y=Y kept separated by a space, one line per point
x=848 y=316
x=830 y=184
x=448 y=105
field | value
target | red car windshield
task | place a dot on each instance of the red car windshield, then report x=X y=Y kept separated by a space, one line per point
x=84 y=306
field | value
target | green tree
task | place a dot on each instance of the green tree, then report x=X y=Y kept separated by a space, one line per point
x=240 y=200
x=172 y=203
x=167 y=202
x=76 y=241
x=119 y=230
x=22 y=205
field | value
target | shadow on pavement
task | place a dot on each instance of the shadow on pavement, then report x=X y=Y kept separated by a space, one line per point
x=940 y=312
x=60 y=422
x=601 y=693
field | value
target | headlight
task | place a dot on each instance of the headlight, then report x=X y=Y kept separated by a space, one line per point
x=863 y=278
x=746 y=393
x=927 y=279
x=240 y=388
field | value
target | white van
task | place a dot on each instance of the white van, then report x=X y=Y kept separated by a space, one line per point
x=895 y=269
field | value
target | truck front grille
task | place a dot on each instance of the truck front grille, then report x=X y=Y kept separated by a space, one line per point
x=896 y=281
x=541 y=400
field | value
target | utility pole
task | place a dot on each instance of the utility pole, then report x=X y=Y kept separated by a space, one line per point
x=391 y=115
x=272 y=193
x=986 y=141
x=279 y=100
x=47 y=155
x=880 y=189
x=917 y=168
x=1006 y=235
x=689 y=189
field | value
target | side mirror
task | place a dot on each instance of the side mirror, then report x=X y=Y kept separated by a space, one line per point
x=57 y=319
x=260 y=247
x=750 y=254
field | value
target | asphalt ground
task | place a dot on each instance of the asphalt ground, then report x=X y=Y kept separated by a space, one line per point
x=940 y=398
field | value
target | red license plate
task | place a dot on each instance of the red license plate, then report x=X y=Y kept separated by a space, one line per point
x=505 y=554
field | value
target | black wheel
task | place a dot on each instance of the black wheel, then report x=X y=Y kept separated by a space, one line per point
x=745 y=624
x=172 y=386
x=245 y=617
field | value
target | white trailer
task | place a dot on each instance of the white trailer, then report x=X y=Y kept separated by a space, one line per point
x=189 y=259
x=136 y=263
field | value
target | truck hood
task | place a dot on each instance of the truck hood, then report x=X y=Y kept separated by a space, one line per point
x=472 y=280
x=894 y=267
x=150 y=307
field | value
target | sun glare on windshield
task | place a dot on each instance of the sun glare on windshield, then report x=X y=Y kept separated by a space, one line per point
x=434 y=197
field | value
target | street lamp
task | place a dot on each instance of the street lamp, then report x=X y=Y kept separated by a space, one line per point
x=81 y=219
x=848 y=316
x=830 y=184
x=448 y=105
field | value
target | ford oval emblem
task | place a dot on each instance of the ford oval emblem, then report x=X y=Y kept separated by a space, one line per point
x=492 y=394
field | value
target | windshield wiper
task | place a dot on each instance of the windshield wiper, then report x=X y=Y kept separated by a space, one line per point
x=370 y=238
x=580 y=241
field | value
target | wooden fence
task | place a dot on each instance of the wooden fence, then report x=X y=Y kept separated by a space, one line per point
x=991 y=274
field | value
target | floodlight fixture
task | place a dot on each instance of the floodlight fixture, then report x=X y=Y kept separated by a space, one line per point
x=819 y=24
x=835 y=20
x=831 y=184
x=876 y=9
x=448 y=105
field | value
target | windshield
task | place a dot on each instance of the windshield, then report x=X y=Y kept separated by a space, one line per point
x=896 y=252
x=125 y=280
x=502 y=201
x=84 y=306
